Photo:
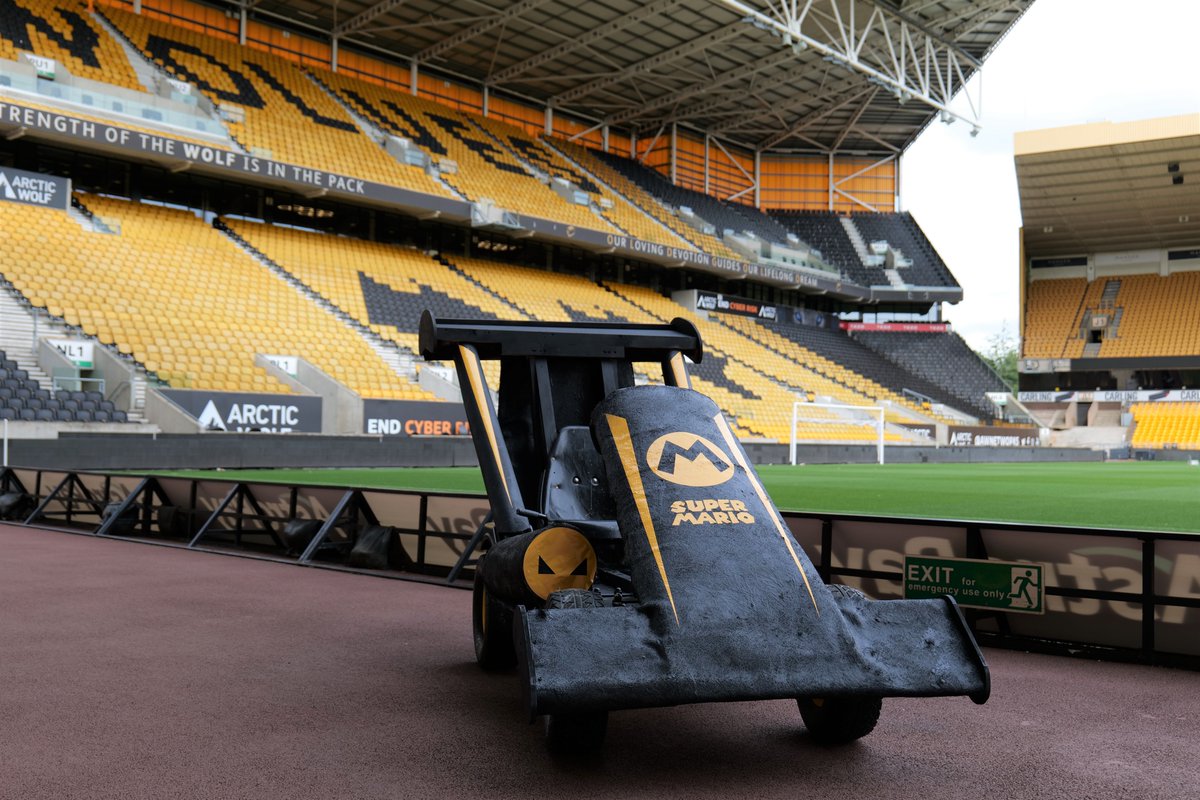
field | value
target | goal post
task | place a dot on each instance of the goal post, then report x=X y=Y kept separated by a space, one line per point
x=865 y=416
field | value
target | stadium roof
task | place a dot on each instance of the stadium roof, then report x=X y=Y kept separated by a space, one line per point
x=800 y=75
x=1110 y=187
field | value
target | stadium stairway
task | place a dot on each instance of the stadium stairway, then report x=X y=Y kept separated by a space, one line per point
x=148 y=73
x=402 y=362
x=641 y=224
x=21 y=326
x=373 y=131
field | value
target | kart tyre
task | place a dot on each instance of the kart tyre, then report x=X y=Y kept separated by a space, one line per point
x=841 y=592
x=574 y=598
x=839 y=720
x=491 y=623
x=575 y=734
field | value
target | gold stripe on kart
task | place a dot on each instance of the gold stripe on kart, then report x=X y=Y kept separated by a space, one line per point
x=479 y=392
x=679 y=370
x=736 y=452
x=624 y=442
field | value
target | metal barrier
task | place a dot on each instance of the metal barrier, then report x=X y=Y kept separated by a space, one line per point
x=1115 y=594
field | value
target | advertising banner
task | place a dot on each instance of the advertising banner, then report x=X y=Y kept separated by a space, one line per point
x=1115 y=396
x=897 y=327
x=34 y=188
x=995 y=437
x=414 y=418
x=246 y=412
x=725 y=304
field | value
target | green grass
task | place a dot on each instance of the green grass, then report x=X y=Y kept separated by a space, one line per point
x=1150 y=496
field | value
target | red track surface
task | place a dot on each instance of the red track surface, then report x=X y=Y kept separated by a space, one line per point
x=144 y=672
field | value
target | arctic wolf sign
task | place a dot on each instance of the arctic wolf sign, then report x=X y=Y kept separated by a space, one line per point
x=34 y=188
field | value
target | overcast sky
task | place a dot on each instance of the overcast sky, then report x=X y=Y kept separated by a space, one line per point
x=1065 y=62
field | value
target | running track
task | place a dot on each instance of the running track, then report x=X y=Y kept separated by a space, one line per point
x=146 y=672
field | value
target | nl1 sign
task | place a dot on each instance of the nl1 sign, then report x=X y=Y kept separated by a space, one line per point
x=996 y=585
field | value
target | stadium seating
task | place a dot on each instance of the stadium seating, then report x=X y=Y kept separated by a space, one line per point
x=287 y=116
x=1055 y=316
x=902 y=233
x=140 y=291
x=23 y=398
x=383 y=287
x=1166 y=425
x=945 y=365
x=623 y=216
x=1155 y=316
x=486 y=168
x=757 y=383
x=591 y=161
x=824 y=231
x=66 y=33
x=827 y=377
x=723 y=216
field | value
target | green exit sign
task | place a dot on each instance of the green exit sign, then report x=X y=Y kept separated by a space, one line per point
x=997 y=585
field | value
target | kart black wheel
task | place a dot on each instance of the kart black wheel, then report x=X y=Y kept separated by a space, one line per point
x=841 y=592
x=575 y=734
x=492 y=625
x=574 y=598
x=839 y=720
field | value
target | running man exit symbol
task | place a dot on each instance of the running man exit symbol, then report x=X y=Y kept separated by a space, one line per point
x=977 y=583
x=1025 y=588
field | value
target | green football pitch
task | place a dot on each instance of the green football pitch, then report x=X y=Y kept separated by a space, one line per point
x=1161 y=496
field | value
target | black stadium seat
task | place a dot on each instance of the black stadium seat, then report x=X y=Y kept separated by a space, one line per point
x=44 y=415
x=62 y=415
x=7 y=413
x=27 y=415
x=100 y=416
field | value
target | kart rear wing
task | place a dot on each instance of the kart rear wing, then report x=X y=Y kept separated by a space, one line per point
x=539 y=401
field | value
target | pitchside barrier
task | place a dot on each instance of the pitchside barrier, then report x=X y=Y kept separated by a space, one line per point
x=1119 y=594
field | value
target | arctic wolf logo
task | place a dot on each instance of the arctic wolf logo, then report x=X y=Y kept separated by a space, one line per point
x=688 y=460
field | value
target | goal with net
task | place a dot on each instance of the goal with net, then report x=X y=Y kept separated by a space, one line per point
x=829 y=422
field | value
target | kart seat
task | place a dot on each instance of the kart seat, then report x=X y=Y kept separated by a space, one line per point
x=575 y=490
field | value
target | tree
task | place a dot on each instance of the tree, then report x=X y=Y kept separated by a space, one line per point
x=1002 y=355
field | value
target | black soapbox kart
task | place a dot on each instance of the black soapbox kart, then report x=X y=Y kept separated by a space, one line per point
x=632 y=559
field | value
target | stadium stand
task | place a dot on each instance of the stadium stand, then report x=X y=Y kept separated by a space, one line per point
x=943 y=363
x=194 y=296
x=1052 y=309
x=22 y=397
x=824 y=231
x=271 y=107
x=759 y=383
x=591 y=161
x=902 y=233
x=66 y=33
x=826 y=377
x=1166 y=425
x=484 y=167
x=722 y=216
x=1152 y=315
x=382 y=287
x=620 y=213
x=1055 y=317
x=138 y=289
